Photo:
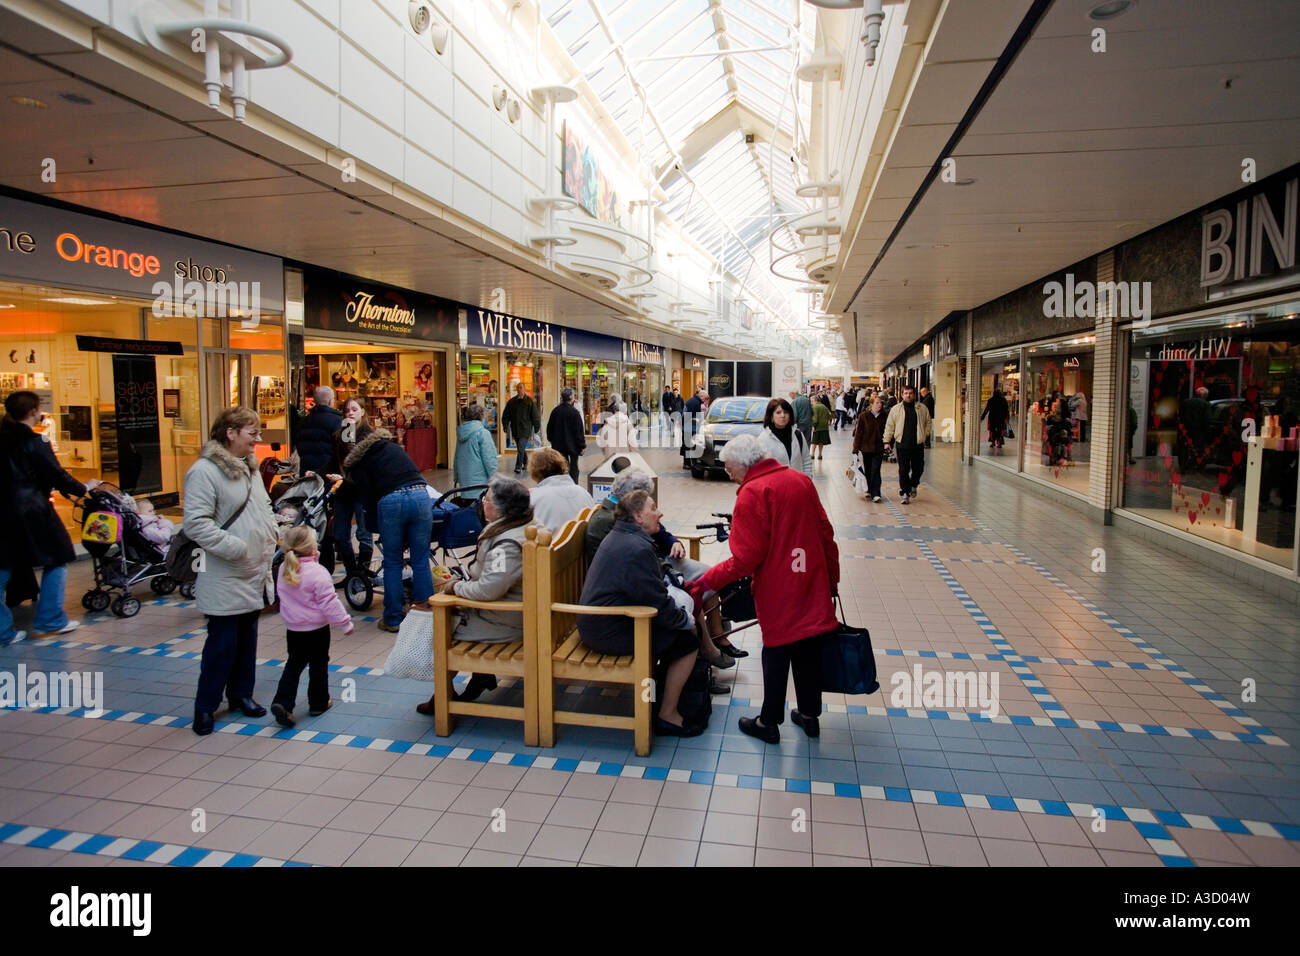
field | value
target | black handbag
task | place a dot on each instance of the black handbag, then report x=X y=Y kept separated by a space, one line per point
x=180 y=557
x=848 y=664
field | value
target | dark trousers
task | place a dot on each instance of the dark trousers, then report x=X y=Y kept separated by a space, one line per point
x=229 y=660
x=871 y=466
x=573 y=466
x=343 y=516
x=307 y=649
x=805 y=657
x=521 y=453
x=911 y=462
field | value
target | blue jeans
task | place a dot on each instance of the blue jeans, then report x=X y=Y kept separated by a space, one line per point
x=50 y=615
x=405 y=522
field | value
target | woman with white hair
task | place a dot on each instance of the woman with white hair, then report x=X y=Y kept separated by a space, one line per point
x=778 y=514
x=618 y=433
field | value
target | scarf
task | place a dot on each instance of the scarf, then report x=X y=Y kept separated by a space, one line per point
x=784 y=435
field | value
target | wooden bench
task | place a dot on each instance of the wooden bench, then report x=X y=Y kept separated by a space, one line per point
x=515 y=659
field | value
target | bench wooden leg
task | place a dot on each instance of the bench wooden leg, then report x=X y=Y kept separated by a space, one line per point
x=545 y=703
x=442 y=720
x=643 y=689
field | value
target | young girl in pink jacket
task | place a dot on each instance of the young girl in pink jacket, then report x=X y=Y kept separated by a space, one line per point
x=308 y=605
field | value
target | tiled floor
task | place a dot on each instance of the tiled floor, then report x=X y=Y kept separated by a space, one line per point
x=1118 y=736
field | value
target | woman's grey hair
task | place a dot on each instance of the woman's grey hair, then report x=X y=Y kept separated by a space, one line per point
x=511 y=497
x=634 y=479
x=745 y=451
x=471 y=413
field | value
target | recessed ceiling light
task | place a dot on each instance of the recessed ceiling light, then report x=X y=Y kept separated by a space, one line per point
x=1111 y=9
x=76 y=98
x=354 y=212
x=968 y=181
x=78 y=300
x=29 y=101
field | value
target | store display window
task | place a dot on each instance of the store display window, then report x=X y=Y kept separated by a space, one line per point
x=999 y=423
x=1058 y=414
x=1212 y=431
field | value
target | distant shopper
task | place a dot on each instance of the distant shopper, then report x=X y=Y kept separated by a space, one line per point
x=476 y=451
x=31 y=532
x=1058 y=435
x=566 y=432
x=908 y=425
x=802 y=406
x=1193 y=429
x=841 y=411
x=618 y=433
x=557 y=499
x=998 y=412
x=692 y=412
x=315 y=442
x=346 y=506
x=778 y=513
x=869 y=443
x=521 y=420
x=781 y=439
x=927 y=399
x=234 y=581
x=821 y=428
x=308 y=606
x=1079 y=414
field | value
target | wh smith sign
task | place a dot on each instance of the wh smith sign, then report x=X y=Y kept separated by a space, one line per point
x=497 y=330
x=638 y=353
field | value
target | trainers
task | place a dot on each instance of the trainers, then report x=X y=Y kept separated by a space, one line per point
x=905 y=499
x=18 y=636
x=875 y=498
x=283 y=715
x=390 y=628
x=66 y=629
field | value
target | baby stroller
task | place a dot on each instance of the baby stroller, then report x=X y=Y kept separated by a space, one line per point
x=120 y=553
x=457 y=524
x=296 y=502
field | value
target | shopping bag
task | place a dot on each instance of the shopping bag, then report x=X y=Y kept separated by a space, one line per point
x=412 y=653
x=848 y=664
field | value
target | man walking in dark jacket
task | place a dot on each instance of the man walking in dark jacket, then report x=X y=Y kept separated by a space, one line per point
x=690 y=413
x=927 y=399
x=521 y=418
x=565 y=432
x=315 y=433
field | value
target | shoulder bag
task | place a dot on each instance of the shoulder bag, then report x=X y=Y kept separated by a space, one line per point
x=180 y=558
x=848 y=664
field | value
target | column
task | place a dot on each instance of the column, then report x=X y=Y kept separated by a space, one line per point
x=1106 y=422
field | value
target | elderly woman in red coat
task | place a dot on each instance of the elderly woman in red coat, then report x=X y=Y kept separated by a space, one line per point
x=780 y=536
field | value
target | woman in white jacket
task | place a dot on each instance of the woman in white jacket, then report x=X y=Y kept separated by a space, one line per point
x=618 y=433
x=781 y=440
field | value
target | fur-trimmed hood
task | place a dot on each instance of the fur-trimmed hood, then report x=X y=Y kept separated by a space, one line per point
x=230 y=466
x=363 y=447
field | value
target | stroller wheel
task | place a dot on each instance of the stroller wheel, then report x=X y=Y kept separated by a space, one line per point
x=187 y=590
x=97 y=600
x=162 y=584
x=126 y=606
x=85 y=599
x=358 y=592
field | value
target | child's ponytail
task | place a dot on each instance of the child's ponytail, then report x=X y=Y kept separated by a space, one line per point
x=297 y=544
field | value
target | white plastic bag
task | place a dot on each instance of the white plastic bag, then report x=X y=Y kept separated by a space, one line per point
x=412 y=653
x=860 y=484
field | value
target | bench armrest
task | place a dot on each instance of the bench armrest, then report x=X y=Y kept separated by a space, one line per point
x=693 y=552
x=452 y=600
x=632 y=611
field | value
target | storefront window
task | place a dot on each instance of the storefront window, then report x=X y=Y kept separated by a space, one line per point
x=599 y=386
x=1057 y=412
x=481 y=385
x=642 y=385
x=1212 y=436
x=1000 y=407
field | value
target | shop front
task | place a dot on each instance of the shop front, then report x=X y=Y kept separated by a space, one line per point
x=135 y=339
x=593 y=368
x=688 y=373
x=389 y=350
x=502 y=352
x=643 y=379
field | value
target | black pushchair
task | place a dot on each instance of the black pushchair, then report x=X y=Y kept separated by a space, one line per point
x=120 y=553
x=457 y=523
x=737 y=598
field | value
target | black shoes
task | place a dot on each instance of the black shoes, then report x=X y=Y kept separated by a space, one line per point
x=203 y=723
x=317 y=711
x=283 y=715
x=663 y=728
x=478 y=683
x=732 y=650
x=716 y=687
x=248 y=707
x=751 y=726
x=810 y=725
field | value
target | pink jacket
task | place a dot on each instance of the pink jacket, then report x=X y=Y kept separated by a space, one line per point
x=314 y=602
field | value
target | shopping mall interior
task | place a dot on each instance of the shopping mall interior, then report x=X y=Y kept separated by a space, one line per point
x=1068 y=228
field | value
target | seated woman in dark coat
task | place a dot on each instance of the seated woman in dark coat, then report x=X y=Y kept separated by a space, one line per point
x=625 y=571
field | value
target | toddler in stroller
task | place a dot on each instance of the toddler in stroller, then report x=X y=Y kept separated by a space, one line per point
x=127 y=543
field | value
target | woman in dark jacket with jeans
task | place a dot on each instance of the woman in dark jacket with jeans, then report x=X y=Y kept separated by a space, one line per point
x=625 y=571
x=31 y=534
x=396 y=499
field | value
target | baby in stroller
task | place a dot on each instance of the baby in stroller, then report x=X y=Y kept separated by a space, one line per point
x=154 y=528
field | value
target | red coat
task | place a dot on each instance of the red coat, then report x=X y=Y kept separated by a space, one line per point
x=780 y=536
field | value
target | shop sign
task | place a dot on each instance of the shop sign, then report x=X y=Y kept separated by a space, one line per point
x=580 y=343
x=339 y=303
x=695 y=363
x=789 y=377
x=1206 y=348
x=101 y=343
x=638 y=353
x=64 y=249
x=1071 y=362
x=1247 y=241
x=497 y=330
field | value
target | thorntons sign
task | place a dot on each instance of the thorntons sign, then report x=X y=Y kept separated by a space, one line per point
x=339 y=303
x=497 y=330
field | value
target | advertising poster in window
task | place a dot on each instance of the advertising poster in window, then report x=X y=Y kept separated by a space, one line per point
x=139 y=448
